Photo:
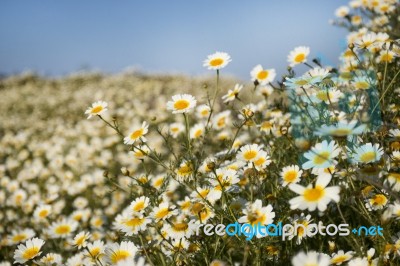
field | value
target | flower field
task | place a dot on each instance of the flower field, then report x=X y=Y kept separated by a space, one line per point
x=124 y=169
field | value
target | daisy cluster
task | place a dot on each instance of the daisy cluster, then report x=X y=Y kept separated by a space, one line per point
x=158 y=156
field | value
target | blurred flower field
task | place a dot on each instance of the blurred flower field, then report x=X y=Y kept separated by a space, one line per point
x=120 y=169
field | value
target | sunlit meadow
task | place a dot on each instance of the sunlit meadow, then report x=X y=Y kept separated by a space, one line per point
x=120 y=169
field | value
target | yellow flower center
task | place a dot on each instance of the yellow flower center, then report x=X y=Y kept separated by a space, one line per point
x=368 y=156
x=139 y=206
x=97 y=109
x=181 y=104
x=137 y=134
x=216 y=62
x=321 y=158
x=290 y=176
x=95 y=251
x=134 y=222
x=379 y=200
x=221 y=122
x=185 y=205
x=204 y=193
x=162 y=213
x=314 y=194
x=198 y=133
x=300 y=58
x=361 y=85
x=43 y=213
x=300 y=229
x=204 y=112
x=341 y=258
x=384 y=8
x=80 y=240
x=180 y=227
x=249 y=155
x=185 y=170
x=19 y=238
x=77 y=217
x=256 y=217
x=324 y=96
x=119 y=255
x=259 y=161
x=30 y=253
x=387 y=57
x=63 y=229
x=266 y=125
x=158 y=182
x=262 y=74
x=340 y=132
x=301 y=82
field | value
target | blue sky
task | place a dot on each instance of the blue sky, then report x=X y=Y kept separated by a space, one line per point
x=59 y=37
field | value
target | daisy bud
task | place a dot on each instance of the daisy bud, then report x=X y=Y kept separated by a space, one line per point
x=284 y=130
x=395 y=145
x=332 y=246
x=105 y=173
x=125 y=171
x=351 y=46
x=302 y=143
x=211 y=166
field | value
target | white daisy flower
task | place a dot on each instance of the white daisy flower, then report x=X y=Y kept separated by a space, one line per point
x=179 y=229
x=97 y=108
x=203 y=111
x=376 y=202
x=131 y=223
x=321 y=155
x=118 y=252
x=221 y=120
x=30 y=250
x=181 y=103
x=342 y=11
x=217 y=61
x=197 y=131
x=96 y=249
x=232 y=94
x=255 y=213
x=368 y=153
x=42 y=211
x=249 y=153
x=51 y=259
x=80 y=240
x=63 y=228
x=312 y=197
x=139 y=204
x=184 y=171
x=341 y=129
x=140 y=152
x=328 y=96
x=175 y=129
x=290 y=174
x=298 y=55
x=262 y=76
x=340 y=257
x=20 y=236
x=137 y=133
x=163 y=211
